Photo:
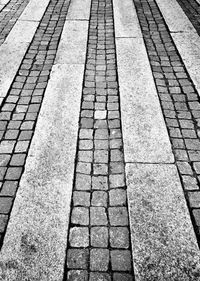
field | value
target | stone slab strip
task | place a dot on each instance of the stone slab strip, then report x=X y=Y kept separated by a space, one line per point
x=79 y=10
x=36 y=236
x=144 y=130
x=126 y=22
x=34 y=10
x=163 y=239
x=14 y=49
x=73 y=45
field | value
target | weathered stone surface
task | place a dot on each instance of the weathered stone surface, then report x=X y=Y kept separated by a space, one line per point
x=77 y=11
x=163 y=239
x=44 y=196
x=144 y=130
x=73 y=43
x=126 y=22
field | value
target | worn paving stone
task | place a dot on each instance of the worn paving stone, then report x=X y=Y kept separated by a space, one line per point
x=100 y=171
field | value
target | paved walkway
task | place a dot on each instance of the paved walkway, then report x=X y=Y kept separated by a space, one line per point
x=99 y=148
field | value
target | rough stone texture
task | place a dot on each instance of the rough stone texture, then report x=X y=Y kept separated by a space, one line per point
x=144 y=131
x=164 y=243
x=126 y=22
x=44 y=194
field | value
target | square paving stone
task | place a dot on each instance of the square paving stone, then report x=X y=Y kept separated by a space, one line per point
x=81 y=198
x=99 y=237
x=117 y=197
x=77 y=275
x=118 y=216
x=18 y=159
x=77 y=258
x=79 y=237
x=80 y=215
x=9 y=188
x=119 y=237
x=5 y=204
x=100 y=169
x=99 y=198
x=99 y=259
x=83 y=182
x=98 y=216
x=117 y=180
x=100 y=183
x=13 y=173
x=121 y=260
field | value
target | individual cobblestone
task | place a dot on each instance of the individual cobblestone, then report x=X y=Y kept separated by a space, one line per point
x=179 y=99
x=9 y=15
x=21 y=106
x=99 y=198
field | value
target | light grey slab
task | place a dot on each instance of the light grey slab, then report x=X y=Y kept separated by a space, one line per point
x=126 y=21
x=72 y=46
x=34 y=10
x=79 y=10
x=4 y=2
x=164 y=245
x=175 y=16
x=36 y=238
x=144 y=131
x=22 y=32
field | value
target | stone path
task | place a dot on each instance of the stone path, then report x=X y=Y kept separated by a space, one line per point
x=99 y=150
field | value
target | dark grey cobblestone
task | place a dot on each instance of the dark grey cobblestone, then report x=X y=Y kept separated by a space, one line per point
x=21 y=106
x=179 y=99
x=9 y=15
x=99 y=199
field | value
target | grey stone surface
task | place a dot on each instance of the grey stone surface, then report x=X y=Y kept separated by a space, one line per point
x=44 y=195
x=163 y=241
x=73 y=43
x=144 y=131
x=126 y=21
x=79 y=10
x=34 y=10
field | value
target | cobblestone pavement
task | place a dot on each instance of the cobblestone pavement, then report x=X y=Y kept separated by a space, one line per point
x=20 y=108
x=99 y=244
x=179 y=101
x=9 y=16
x=99 y=236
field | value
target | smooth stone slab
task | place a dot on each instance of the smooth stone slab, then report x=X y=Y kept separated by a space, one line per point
x=144 y=131
x=163 y=241
x=36 y=238
x=10 y=59
x=126 y=21
x=22 y=32
x=188 y=46
x=72 y=46
x=4 y=2
x=79 y=10
x=174 y=16
x=34 y=10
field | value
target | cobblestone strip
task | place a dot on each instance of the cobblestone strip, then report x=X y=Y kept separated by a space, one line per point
x=179 y=101
x=99 y=236
x=9 y=15
x=20 y=109
x=192 y=11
